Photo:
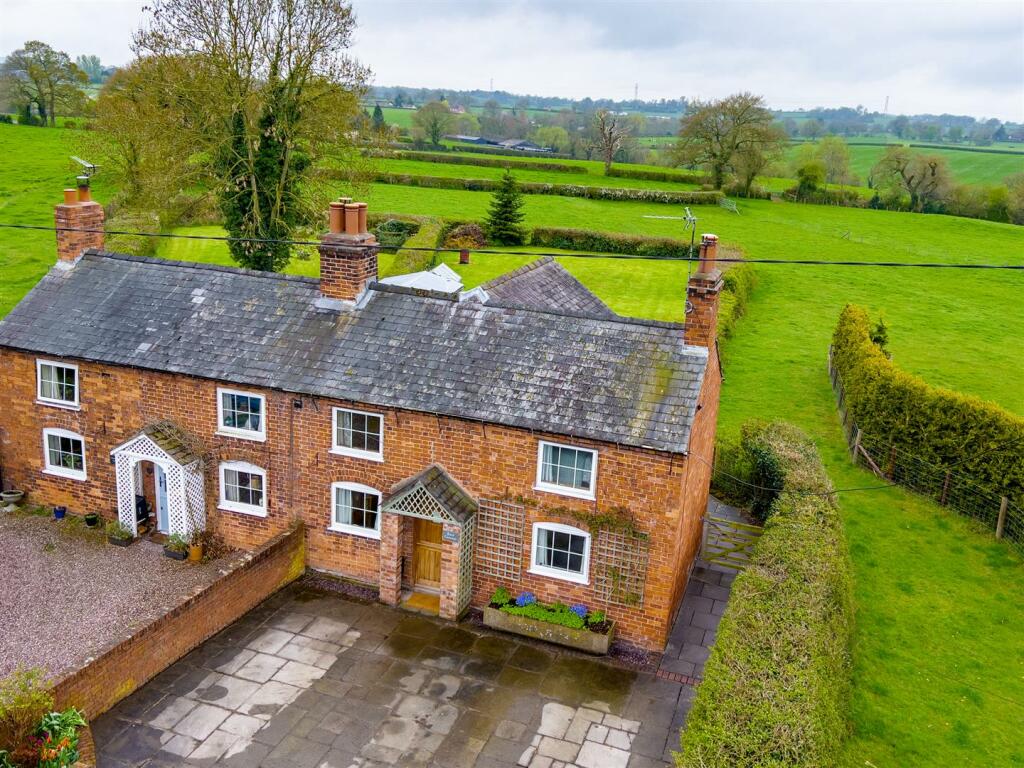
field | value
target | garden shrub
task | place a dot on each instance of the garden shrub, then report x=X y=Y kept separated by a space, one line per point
x=133 y=221
x=392 y=233
x=739 y=281
x=776 y=687
x=24 y=698
x=938 y=426
x=426 y=237
x=564 y=190
x=469 y=235
x=555 y=614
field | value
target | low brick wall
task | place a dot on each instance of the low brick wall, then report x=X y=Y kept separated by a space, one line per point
x=130 y=662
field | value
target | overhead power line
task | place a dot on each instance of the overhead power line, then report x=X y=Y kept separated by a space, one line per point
x=496 y=252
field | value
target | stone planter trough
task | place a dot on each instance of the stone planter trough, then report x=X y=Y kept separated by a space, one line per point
x=580 y=639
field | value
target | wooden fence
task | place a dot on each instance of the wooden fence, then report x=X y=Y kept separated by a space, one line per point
x=944 y=484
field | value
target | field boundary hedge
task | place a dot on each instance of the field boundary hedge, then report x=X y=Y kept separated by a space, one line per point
x=482 y=162
x=563 y=190
x=484 y=149
x=682 y=177
x=938 y=426
x=776 y=687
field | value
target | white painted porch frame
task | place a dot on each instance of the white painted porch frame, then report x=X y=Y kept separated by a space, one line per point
x=184 y=486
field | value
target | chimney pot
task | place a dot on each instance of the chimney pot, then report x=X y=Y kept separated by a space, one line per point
x=84 y=195
x=70 y=196
x=336 y=217
x=351 y=219
x=362 y=218
x=708 y=251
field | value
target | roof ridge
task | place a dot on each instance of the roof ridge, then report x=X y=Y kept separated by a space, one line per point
x=408 y=290
x=619 y=319
x=104 y=254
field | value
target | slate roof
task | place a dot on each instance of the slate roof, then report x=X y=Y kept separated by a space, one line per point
x=616 y=380
x=545 y=284
x=171 y=440
x=441 y=487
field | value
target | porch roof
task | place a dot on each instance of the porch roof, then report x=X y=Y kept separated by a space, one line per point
x=169 y=438
x=441 y=487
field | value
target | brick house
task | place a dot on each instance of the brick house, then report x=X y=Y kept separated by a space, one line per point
x=443 y=442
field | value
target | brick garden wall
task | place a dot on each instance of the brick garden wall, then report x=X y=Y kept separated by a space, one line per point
x=663 y=492
x=131 y=662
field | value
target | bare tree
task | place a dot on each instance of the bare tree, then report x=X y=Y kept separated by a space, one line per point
x=610 y=133
x=39 y=75
x=717 y=134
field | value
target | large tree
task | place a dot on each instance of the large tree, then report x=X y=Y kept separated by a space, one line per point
x=259 y=91
x=925 y=179
x=835 y=156
x=718 y=135
x=91 y=65
x=610 y=133
x=37 y=74
x=434 y=120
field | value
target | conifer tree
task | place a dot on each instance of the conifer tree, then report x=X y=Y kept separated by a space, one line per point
x=378 y=119
x=506 y=214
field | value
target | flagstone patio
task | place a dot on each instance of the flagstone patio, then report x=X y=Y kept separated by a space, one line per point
x=313 y=680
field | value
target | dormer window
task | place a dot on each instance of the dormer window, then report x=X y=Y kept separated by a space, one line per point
x=241 y=414
x=57 y=383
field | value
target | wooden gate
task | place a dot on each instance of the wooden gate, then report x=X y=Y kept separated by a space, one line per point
x=728 y=542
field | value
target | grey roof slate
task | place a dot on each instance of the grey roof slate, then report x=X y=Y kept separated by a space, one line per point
x=545 y=284
x=441 y=487
x=627 y=381
x=172 y=440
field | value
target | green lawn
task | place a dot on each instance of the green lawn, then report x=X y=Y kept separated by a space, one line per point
x=967 y=167
x=939 y=676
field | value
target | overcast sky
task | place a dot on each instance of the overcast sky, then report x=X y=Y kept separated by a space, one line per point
x=958 y=57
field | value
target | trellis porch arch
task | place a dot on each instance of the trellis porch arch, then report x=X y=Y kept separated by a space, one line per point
x=163 y=444
x=431 y=495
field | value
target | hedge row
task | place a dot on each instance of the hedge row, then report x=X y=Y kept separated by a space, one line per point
x=482 y=162
x=484 y=149
x=776 y=687
x=938 y=426
x=564 y=190
x=954 y=148
x=682 y=177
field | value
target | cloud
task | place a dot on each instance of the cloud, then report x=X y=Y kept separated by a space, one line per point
x=959 y=57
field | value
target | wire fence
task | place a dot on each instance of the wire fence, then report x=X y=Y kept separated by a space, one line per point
x=946 y=486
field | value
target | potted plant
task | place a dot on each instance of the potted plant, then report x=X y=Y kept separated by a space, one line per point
x=195 y=548
x=574 y=626
x=118 y=535
x=59 y=513
x=11 y=497
x=176 y=547
x=92 y=519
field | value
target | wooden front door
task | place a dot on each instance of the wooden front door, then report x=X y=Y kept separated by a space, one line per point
x=426 y=558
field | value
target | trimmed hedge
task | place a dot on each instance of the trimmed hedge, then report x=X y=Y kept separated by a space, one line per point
x=608 y=242
x=485 y=149
x=480 y=162
x=563 y=190
x=939 y=426
x=682 y=177
x=776 y=687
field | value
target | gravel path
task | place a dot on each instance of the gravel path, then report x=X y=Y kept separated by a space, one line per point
x=65 y=593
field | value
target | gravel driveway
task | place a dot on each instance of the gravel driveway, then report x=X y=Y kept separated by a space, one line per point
x=66 y=594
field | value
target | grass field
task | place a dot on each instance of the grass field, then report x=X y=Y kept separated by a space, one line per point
x=939 y=663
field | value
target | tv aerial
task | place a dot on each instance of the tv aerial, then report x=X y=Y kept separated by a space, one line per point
x=88 y=169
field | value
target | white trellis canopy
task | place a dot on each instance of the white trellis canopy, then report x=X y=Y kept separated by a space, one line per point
x=163 y=444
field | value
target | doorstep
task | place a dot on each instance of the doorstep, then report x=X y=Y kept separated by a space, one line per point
x=421 y=602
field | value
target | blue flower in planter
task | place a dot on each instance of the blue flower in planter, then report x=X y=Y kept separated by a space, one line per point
x=579 y=609
x=526 y=598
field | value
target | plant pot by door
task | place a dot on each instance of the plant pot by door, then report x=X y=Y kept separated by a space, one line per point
x=92 y=520
x=59 y=512
x=119 y=542
x=175 y=555
x=195 y=553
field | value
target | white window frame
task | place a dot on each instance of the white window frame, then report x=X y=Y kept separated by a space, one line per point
x=562 y=490
x=72 y=405
x=344 y=450
x=556 y=573
x=236 y=506
x=355 y=530
x=59 y=471
x=245 y=434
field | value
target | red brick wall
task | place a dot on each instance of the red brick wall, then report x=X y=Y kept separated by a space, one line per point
x=489 y=461
x=129 y=663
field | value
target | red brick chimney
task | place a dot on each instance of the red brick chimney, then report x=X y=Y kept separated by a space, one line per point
x=78 y=212
x=348 y=252
x=702 y=296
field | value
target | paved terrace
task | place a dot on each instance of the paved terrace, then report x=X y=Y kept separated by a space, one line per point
x=311 y=680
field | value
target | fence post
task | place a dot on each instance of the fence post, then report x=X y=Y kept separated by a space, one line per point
x=1001 y=521
x=856 y=446
x=945 y=488
x=464 y=256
